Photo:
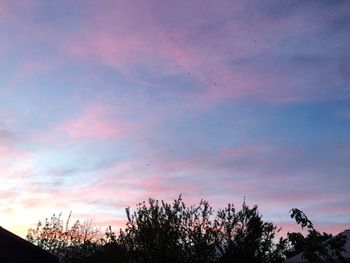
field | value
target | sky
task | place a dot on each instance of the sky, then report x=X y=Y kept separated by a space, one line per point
x=104 y=104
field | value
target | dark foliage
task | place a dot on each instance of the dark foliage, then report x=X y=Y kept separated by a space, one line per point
x=173 y=232
x=316 y=247
x=70 y=244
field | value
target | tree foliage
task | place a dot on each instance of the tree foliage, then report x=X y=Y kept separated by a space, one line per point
x=315 y=247
x=162 y=232
x=67 y=242
x=157 y=231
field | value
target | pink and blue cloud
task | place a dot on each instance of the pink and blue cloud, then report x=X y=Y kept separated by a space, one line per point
x=104 y=104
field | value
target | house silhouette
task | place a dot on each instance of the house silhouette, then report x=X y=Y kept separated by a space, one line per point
x=14 y=249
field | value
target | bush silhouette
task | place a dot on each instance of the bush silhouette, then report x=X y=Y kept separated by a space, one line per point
x=315 y=247
x=70 y=243
x=157 y=231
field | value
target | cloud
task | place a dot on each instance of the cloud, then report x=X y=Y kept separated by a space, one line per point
x=137 y=86
x=230 y=60
x=94 y=122
x=10 y=152
x=219 y=52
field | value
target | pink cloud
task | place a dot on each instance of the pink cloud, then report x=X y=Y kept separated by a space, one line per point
x=143 y=39
x=33 y=66
x=164 y=176
x=16 y=14
x=10 y=153
x=93 y=122
x=127 y=50
x=127 y=37
x=123 y=185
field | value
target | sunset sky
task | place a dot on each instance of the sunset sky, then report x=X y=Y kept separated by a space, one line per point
x=106 y=103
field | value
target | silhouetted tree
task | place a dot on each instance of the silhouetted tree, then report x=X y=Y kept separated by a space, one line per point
x=69 y=243
x=109 y=251
x=158 y=231
x=316 y=247
x=245 y=237
x=162 y=232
